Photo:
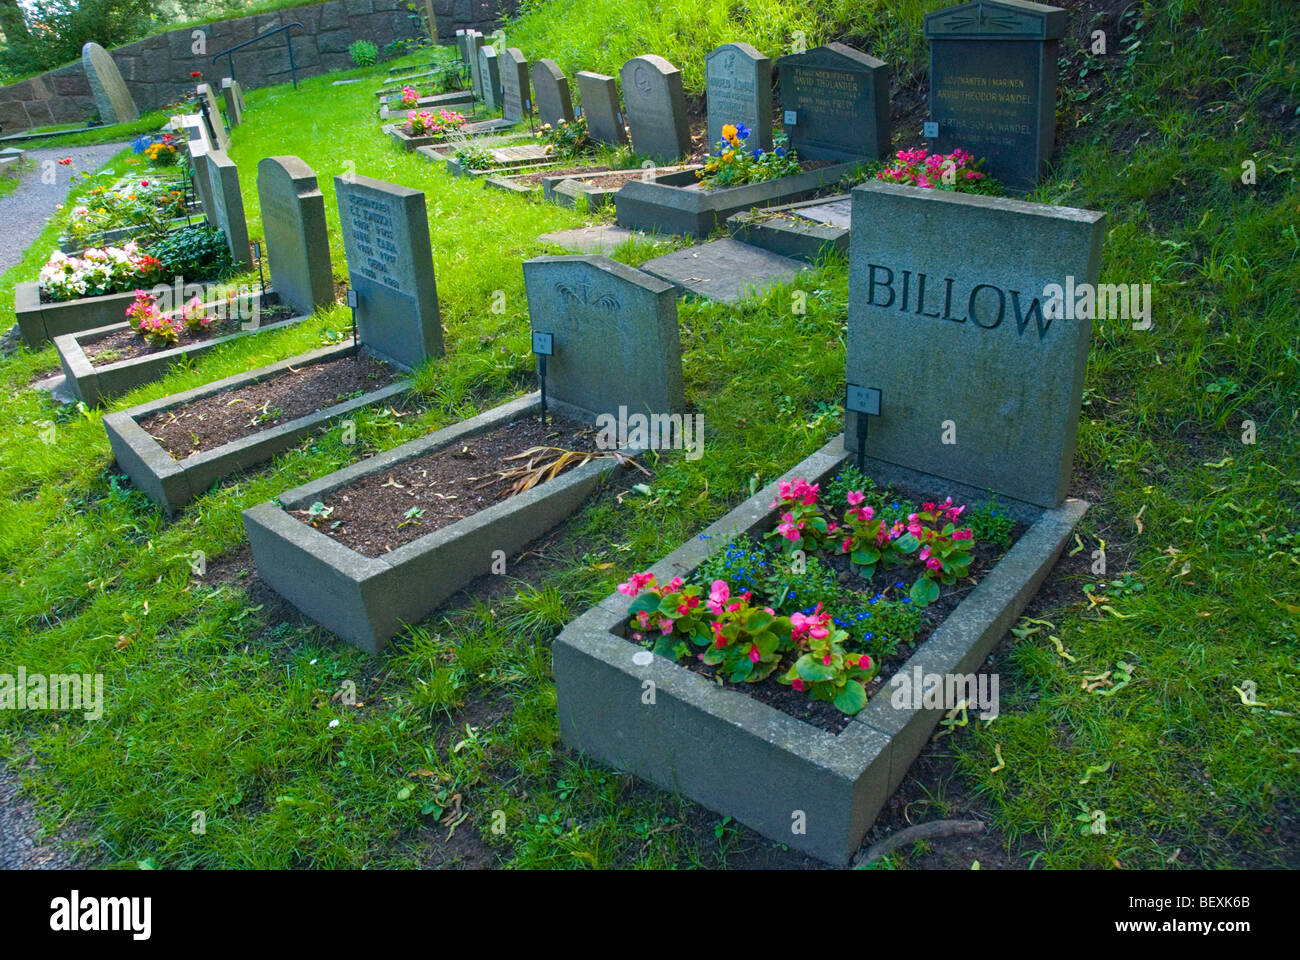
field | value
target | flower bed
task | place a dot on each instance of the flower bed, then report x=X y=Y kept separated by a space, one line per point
x=108 y=361
x=329 y=557
x=741 y=756
x=422 y=128
x=175 y=448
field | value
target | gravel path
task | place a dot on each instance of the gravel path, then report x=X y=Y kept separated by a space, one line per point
x=19 y=849
x=23 y=212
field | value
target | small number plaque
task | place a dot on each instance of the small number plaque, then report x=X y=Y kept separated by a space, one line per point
x=352 y=298
x=542 y=344
x=863 y=400
x=791 y=117
x=930 y=129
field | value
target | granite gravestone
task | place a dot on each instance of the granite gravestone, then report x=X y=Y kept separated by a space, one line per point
x=600 y=106
x=979 y=384
x=614 y=335
x=390 y=266
x=554 y=103
x=515 y=102
x=656 y=108
x=233 y=94
x=993 y=84
x=198 y=145
x=216 y=125
x=738 y=89
x=228 y=204
x=490 y=77
x=297 y=241
x=836 y=103
x=461 y=48
x=112 y=99
x=473 y=44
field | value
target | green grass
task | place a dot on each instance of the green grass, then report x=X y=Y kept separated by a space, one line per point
x=211 y=706
x=82 y=136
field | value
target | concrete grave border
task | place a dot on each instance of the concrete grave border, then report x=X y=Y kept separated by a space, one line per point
x=665 y=207
x=366 y=600
x=92 y=384
x=173 y=483
x=745 y=759
x=787 y=235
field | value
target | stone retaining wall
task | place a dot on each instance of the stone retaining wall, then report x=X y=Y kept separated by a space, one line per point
x=157 y=69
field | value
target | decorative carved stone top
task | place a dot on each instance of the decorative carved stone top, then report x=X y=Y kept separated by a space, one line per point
x=996 y=20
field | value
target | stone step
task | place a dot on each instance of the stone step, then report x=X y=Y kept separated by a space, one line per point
x=724 y=270
x=803 y=231
x=602 y=238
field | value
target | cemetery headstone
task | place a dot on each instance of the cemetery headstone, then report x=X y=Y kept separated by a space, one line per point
x=112 y=99
x=614 y=335
x=473 y=44
x=656 y=108
x=390 y=266
x=297 y=241
x=460 y=46
x=515 y=101
x=996 y=404
x=554 y=103
x=601 y=108
x=835 y=103
x=490 y=77
x=216 y=125
x=233 y=94
x=198 y=145
x=993 y=67
x=228 y=204
x=738 y=89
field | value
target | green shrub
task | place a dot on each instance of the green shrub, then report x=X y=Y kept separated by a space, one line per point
x=197 y=253
x=364 y=53
x=989 y=523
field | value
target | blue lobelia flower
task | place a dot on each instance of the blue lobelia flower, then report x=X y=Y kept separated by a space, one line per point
x=779 y=151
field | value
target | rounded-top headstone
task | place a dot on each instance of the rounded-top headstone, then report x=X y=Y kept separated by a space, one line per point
x=112 y=98
x=297 y=241
x=656 y=108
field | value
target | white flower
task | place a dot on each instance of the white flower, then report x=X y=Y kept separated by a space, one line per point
x=334 y=723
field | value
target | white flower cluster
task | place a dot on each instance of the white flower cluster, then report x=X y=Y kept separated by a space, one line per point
x=97 y=271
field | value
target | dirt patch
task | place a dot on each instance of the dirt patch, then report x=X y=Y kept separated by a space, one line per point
x=538 y=176
x=126 y=344
x=233 y=414
x=378 y=513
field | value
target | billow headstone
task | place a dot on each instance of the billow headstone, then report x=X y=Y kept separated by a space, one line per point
x=656 y=108
x=112 y=99
x=835 y=103
x=614 y=335
x=390 y=266
x=473 y=44
x=993 y=67
x=515 y=101
x=600 y=106
x=233 y=94
x=216 y=125
x=738 y=89
x=979 y=382
x=490 y=77
x=228 y=204
x=297 y=240
x=554 y=103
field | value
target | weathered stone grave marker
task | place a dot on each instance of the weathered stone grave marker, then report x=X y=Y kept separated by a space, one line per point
x=979 y=384
x=554 y=102
x=490 y=77
x=836 y=103
x=233 y=94
x=656 y=108
x=614 y=333
x=198 y=145
x=993 y=84
x=516 y=104
x=738 y=89
x=297 y=241
x=228 y=204
x=390 y=266
x=473 y=44
x=112 y=98
x=216 y=125
x=600 y=106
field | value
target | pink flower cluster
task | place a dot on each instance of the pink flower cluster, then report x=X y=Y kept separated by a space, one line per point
x=410 y=96
x=919 y=168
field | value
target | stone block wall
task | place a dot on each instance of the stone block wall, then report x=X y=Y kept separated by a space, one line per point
x=157 y=69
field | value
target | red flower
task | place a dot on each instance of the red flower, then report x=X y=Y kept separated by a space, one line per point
x=144 y=183
x=195 y=73
x=66 y=161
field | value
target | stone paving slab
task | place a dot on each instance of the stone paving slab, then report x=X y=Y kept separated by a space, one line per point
x=723 y=269
x=602 y=238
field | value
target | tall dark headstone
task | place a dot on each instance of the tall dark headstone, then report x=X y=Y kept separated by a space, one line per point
x=390 y=266
x=554 y=102
x=297 y=241
x=516 y=104
x=993 y=84
x=835 y=103
x=656 y=108
x=738 y=89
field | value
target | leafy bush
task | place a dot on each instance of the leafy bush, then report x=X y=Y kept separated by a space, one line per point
x=363 y=53
x=566 y=140
x=990 y=523
x=54 y=31
x=195 y=253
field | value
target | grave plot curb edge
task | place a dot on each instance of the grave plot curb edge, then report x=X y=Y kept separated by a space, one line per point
x=745 y=759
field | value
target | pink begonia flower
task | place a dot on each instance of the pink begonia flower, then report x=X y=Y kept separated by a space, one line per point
x=675 y=584
x=754 y=654
x=826 y=660
x=666 y=626
x=635 y=583
x=844 y=547
x=718 y=638
x=961 y=534
x=733 y=607
x=896 y=531
x=928 y=507
x=797 y=683
x=855 y=497
x=956 y=512
x=719 y=594
x=832 y=527
x=924 y=554
x=788 y=528
x=934 y=563
x=643 y=618
x=915 y=528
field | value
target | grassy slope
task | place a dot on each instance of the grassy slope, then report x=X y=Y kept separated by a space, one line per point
x=213 y=708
